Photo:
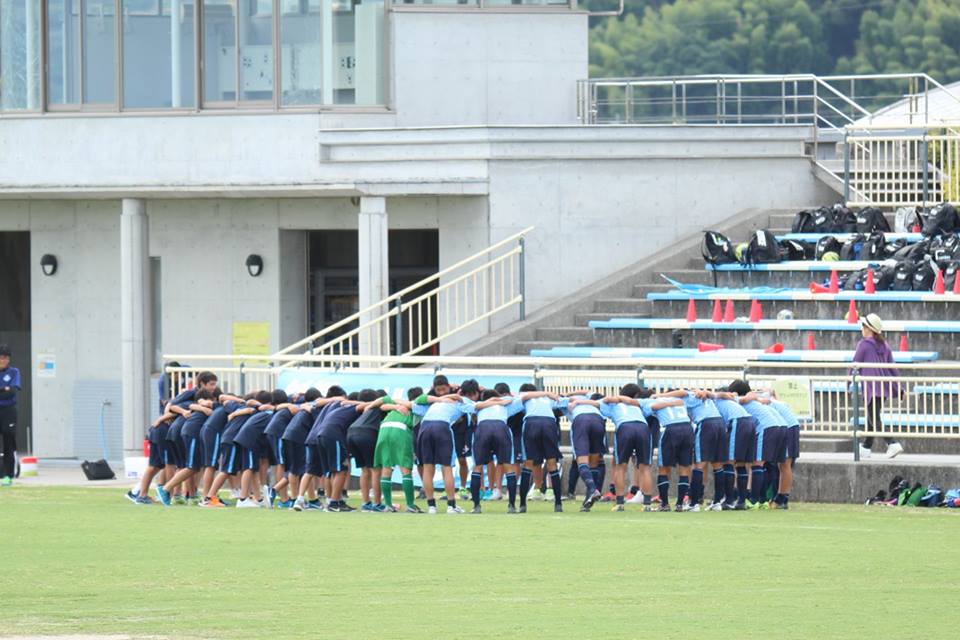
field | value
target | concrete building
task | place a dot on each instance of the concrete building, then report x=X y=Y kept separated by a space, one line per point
x=151 y=147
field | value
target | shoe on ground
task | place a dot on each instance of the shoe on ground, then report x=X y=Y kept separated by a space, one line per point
x=608 y=497
x=496 y=495
x=248 y=503
x=557 y=507
x=781 y=505
x=664 y=506
x=864 y=452
x=476 y=509
x=345 y=508
x=486 y=495
x=894 y=450
x=413 y=509
x=522 y=509
x=432 y=510
x=635 y=498
x=569 y=496
x=617 y=507
x=265 y=503
x=741 y=505
x=648 y=507
x=380 y=508
x=180 y=500
x=163 y=496
x=213 y=503
x=366 y=506
x=695 y=507
x=752 y=506
x=680 y=507
x=133 y=497
x=543 y=496
x=315 y=505
x=454 y=510
x=630 y=496
x=511 y=509
x=6 y=481
x=714 y=506
x=299 y=504
x=533 y=495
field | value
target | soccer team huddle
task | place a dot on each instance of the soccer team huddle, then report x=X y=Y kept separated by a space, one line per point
x=206 y=438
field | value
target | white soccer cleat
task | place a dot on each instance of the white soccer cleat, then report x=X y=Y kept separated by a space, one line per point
x=894 y=450
x=432 y=511
x=715 y=506
x=264 y=502
x=248 y=503
x=496 y=495
x=454 y=510
x=636 y=499
x=533 y=495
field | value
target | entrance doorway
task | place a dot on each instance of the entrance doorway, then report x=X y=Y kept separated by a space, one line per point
x=15 y=323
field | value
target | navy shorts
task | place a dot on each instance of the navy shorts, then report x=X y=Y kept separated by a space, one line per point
x=156 y=455
x=265 y=449
x=312 y=461
x=249 y=458
x=157 y=436
x=462 y=444
x=229 y=460
x=176 y=454
x=334 y=457
x=676 y=445
x=772 y=444
x=632 y=439
x=742 y=441
x=517 y=446
x=361 y=445
x=493 y=440
x=710 y=443
x=294 y=457
x=275 y=445
x=793 y=442
x=435 y=443
x=587 y=435
x=210 y=447
x=541 y=439
x=194 y=458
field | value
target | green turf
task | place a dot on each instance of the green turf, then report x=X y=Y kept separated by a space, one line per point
x=86 y=560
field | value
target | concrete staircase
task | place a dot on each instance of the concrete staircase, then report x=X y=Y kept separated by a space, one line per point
x=623 y=294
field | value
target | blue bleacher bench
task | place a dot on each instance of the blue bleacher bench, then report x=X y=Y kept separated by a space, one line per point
x=804 y=294
x=912 y=420
x=796 y=265
x=903 y=357
x=892 y=326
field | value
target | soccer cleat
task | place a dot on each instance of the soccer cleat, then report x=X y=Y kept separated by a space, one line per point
x=630 y=496
x=379 y=508
x=486 y=495
x=781 y=505
x=214 y=502
x=496 y=495
x=163 y=496
x=557 y=507
x=664 y=506
x=695 y=507
x=366 y=506
x=617 y=507
x=345 y=508
x=648 y=507
x=299 y=504
x=714 y=506
x=522 y=509
x=570 y=496
x=533 y=495
x=315 y=505
x=476 y=509
x=264 y=503
x=133 y=497
x=413 y=509
x=634 y=498
x=432 y=511
x=454 y=510
x=608 y=497
x=740 y=506
x=464 y=495
x=6 y=481
x=334 y=507
x=511 y=509
x=271 y=494
x=679 y=507
x=894 y=450
x=147 y=500
x=248 y=503
x=543 y=496
x=179 y=499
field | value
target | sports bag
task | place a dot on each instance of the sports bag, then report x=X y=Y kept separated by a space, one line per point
x=942 y=219
x=851 y=248
x=763 y=248
x=793 y=250
x=872 y=220
x=826 y=244
x=903 y=276
x=883 y=277
x=823 y=221
x=803 y=222
x=844 y=219
x=97 y=470
x=950 y=275
x=923 y=277
x=716 y=248
x=855 y=281
x=873 y=248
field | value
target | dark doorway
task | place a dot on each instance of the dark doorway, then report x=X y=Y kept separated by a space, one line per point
x=15 y=322
x=333 y=272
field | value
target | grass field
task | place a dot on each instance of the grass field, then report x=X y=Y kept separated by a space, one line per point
x=88 y=561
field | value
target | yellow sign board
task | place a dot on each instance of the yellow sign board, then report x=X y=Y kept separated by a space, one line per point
x=795 y=393
x=251 y=338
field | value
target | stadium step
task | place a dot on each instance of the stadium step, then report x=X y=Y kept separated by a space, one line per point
x=585 y=318
x=637 y=306
x=525 y=346
x=566 y=334
x=781 y=221
x=825 y=445
x=690 y=276
x=641 y=290
x=823 y=309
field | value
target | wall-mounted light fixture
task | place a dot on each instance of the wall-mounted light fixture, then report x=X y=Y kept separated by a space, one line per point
x=254 y=265
x=49 y=264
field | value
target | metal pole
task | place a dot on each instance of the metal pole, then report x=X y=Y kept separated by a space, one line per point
x=398 y=328
x=243 y=381
x=523 y=278
x=846 y=168
x=924 y=159
x=816 y=123
x=856 y=414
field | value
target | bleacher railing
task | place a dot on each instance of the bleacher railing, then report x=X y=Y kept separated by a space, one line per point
x=831 y=399
x=417 y=318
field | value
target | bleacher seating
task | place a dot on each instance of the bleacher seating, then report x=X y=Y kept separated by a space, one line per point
x=903 y=357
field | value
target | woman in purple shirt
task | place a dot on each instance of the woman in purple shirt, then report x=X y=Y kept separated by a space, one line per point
x=872 y=351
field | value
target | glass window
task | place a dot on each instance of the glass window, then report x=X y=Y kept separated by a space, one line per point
x=300 y=53
x=256 y=50
x=63 y=51
x=158 y=53
x=19 y=54
x=99 y=52
x=352 y=56
x=219 y=51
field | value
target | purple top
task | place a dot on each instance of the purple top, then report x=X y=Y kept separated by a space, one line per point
x=870 y=351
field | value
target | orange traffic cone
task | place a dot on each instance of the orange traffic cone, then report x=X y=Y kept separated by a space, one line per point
x=956 y=285
x=834 y=282
x=810 y=345
x=938 y=286
x=756 y=311
x=819 y=288
x=852 y=316
x=776 y=347
x=703 y=347
x=692 y=311
x=717 y=312
x=728 y=312
x=903 y=342
x=869 y=286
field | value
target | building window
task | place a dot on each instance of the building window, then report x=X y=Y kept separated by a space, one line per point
x=256 y=50
x=158 y=53
x=300 y=53
x=19 y=54
x=99 y=52
x=219 y=51
x=63 y=52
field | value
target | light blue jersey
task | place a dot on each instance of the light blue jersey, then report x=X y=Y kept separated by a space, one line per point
x=448 y=412
x=785 y=413
x=500 y=412
x=581 y=409
x=700 y=410
x=543 y=407
x=765 y=416
x=621 y=412
x=666 y=416
x=730 y=410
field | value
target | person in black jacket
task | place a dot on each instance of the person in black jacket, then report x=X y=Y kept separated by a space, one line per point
x=9 y=386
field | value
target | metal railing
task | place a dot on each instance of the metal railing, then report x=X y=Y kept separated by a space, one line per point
x=434 y=309
x=831 y=399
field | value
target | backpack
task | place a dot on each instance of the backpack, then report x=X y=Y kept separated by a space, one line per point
x=823 y=221
x=844 y=219
x=903 y=276
x=916 y=495
x=932 y=497
x=892 y=248
x=923 y=277
x=872 y=220
x=803 y=222
x=907 y=219
x=763 y=248
x=873 y=248
x=950 y=275
x=942 y=219
x=716 y=248
x=826 y=244
x=851 y=248
x=883 y=277
x=793 y=250
x=855 y=281
x=913 y=252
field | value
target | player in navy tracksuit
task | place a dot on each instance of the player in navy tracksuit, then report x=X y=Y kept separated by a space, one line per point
x=201 y=409
x=229 y=458
x=248 y=446
x=295 y=451
x=282 y=417
x=9 y=386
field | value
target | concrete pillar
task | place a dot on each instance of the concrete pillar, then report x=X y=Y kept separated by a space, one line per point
x=373 y=258
x=134 y=323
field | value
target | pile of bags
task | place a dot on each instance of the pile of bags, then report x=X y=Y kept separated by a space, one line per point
x=897 y=265
x=900 y=493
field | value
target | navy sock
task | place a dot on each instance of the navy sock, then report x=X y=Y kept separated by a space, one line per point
x=696 y=487
x=512 y=488
x=555 y=484
x=526 y=476
x=729 y=483
x=452 y=503
x=683 y=486
x=743 y=479
x=619 y=499
x=772 y=474
x=663 y=487
x=587 y=478
x=719 y=485
x=431 y=503
x=756 y=484
x=595 y=474
x=634 y=489
x=572 y=479
x=475 y=479
x=601 y=473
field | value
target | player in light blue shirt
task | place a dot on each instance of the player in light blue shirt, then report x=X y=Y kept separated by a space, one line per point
x=540 y=440
x=771 y=442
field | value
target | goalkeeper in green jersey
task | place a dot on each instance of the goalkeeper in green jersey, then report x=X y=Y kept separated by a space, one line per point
x=395 y=447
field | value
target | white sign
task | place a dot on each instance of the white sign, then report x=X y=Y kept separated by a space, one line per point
x=46 y=365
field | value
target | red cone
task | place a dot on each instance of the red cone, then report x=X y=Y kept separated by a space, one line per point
x=852 y=316
x=728 y=312
x=756 y=311
x=717 y=312
x=776 y=347
x=819 y=288
x=956 y=285
x=938 y=286
x=834 y=282
x=692 y=311
x=703 y=347
x=869 y=286
x=810 y=345
x=903 y=342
